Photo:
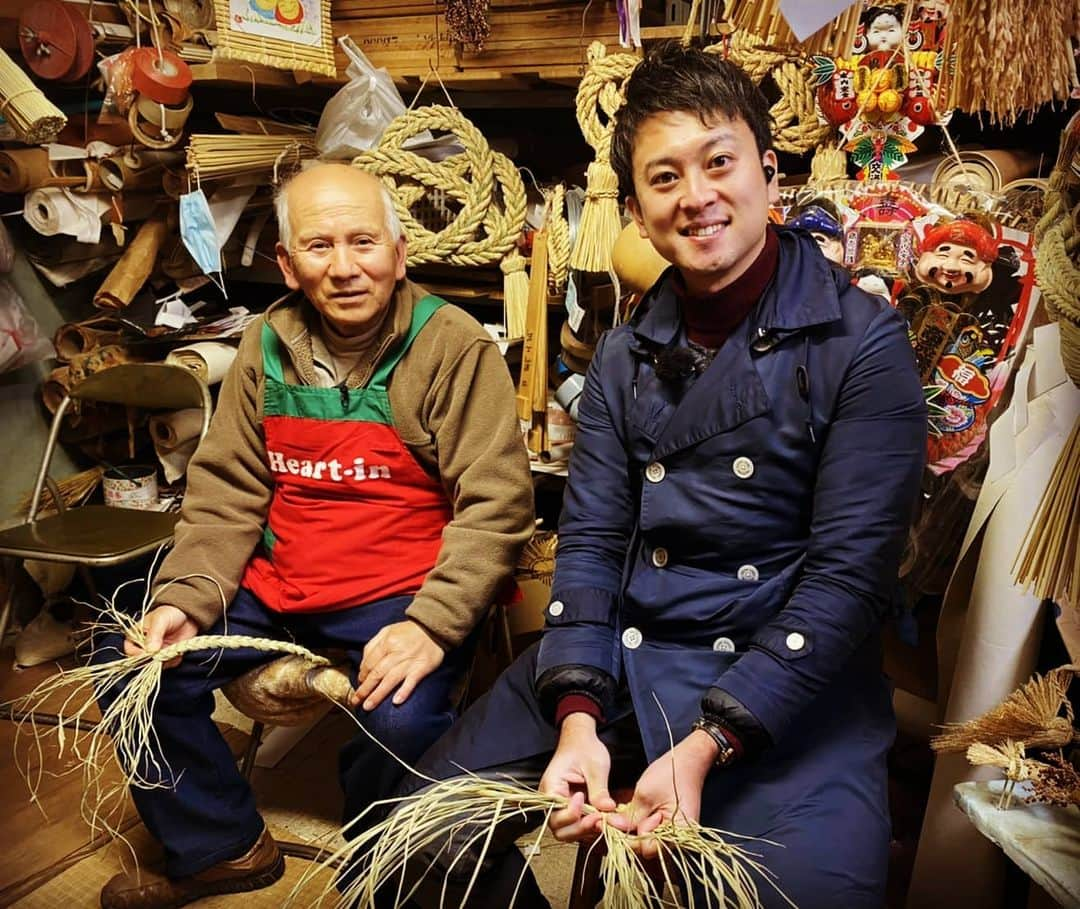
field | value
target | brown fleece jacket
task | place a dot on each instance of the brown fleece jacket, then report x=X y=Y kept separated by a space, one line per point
x=453 y=405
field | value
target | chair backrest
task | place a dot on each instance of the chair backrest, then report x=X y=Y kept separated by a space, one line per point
x=153 y=386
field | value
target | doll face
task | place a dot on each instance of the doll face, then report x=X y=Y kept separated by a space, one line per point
x=954 y=268
x=933 y=10
x=884 y=33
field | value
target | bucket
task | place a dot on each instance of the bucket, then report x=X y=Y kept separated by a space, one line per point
x=132 y=486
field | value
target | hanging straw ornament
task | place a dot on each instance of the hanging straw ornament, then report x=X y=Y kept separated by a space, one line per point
x=599 y=97
x=1011 y=56
x=1031 y=715
x=35 y=119
x=558 y=235
x=484 y=210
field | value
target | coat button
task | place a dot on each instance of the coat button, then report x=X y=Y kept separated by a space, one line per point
x=556 y=608
x=659 y=557
x=743 y=467
x=655 y=472
x=795 y=641
x=631 y=639
x=747 y=573
x=723 y=645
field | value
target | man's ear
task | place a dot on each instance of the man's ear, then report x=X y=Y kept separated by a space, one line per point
x=635 y=213
x=284 y=261
x=769 y=164
x=399 y=252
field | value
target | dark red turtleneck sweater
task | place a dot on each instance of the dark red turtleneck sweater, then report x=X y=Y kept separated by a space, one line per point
x=710 y=320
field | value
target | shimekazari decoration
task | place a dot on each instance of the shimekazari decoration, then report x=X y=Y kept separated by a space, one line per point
x=880 y=98
x=286 y=34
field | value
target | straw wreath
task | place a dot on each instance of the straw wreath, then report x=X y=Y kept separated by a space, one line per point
x=483 y=184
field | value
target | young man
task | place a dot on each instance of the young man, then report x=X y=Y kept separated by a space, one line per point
x=747 y=459
x=363 y=487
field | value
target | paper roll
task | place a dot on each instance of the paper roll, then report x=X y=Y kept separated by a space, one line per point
x=55 y=387
x=51 y=211
x=133 y=268
x=136 y=170
x=209 y=360
x=75 y=338
x=26 y=169
x=175 y=436
x=987 y=169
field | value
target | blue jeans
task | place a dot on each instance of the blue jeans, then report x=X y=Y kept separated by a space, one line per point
x=206 y=814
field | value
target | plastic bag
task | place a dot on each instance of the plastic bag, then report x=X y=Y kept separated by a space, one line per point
x=355 y=118
x=21 y=340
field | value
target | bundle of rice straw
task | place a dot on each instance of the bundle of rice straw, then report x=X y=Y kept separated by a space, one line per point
x=1036 y=715
x=127 y=722
x=468 y=808
x=599 y=97
x=1011 y=56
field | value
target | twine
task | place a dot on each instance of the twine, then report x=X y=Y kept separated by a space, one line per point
x=235 y=642
x=599 y=96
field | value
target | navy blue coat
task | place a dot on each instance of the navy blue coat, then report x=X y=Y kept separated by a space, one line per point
x=742 y=536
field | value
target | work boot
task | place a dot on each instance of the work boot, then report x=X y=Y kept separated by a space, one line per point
x=259 y=867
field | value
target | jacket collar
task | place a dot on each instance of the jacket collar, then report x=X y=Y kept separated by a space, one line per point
x=293 y=319
x=805 y=292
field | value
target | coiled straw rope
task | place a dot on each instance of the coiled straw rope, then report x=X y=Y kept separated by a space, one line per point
x=482 y=185
x=599 y=96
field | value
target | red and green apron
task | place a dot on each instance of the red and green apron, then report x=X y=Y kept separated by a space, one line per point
x=354 y=518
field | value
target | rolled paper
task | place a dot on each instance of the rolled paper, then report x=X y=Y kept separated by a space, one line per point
x=175 y=436
x=75 y=338
x=51 y=211
x=133 y=268
x=25 y=169
x=55 y=387
x=209 y=360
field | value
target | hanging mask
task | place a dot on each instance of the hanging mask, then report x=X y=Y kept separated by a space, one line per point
x=199 y=234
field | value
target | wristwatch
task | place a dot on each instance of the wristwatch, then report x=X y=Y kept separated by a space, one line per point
x=727 y=753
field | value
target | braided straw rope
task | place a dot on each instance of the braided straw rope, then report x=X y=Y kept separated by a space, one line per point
x=484 y=184
x=558 y=233
x=1057 y=251
x=600 y=93
x=797 y=128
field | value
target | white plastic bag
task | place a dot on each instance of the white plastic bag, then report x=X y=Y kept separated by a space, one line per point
x=21 y=340
x=355 y=118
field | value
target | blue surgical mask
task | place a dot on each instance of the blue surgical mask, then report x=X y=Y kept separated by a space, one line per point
x=198 y=232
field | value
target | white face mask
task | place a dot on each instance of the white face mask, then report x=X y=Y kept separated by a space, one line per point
x=199 y=234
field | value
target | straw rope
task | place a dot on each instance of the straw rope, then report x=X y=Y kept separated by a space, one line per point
x=796 y=125
x=599 y=96
x=558 y=234
x=484 y=183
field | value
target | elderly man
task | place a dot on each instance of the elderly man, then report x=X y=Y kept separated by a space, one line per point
x=363 y=487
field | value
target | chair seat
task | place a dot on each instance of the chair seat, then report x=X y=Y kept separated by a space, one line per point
x=91 y=535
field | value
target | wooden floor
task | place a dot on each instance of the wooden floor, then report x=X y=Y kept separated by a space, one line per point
x=49 y=859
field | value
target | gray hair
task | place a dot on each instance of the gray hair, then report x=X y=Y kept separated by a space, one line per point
x=392 y=222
